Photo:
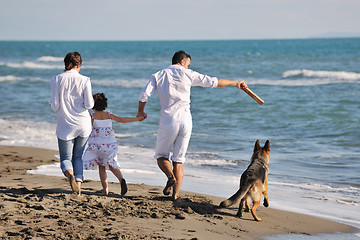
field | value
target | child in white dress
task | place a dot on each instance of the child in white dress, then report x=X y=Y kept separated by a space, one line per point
x=102 y=146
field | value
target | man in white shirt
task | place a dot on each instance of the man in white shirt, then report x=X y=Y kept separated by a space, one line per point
x=173 y=86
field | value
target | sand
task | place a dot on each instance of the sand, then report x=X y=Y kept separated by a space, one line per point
x=43 y=207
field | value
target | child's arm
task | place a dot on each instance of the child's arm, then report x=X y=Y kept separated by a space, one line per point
x=126 y=119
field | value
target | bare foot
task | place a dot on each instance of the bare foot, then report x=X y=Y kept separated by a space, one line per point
x=169 y=184
x=73 y=184
x=175 y=196
x=103 y=192
x=123 y=187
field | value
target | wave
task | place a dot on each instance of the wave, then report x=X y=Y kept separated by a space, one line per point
x=322 y=74
x=50 y=59
x=128 y=135
x=136 y=83
x=20 y=132
x=140 y=83
x=212 y=162
x=295 y=83
x=342 y=195
x=36 y=65
x=28 y=64
x=306 y=77
x=210 y=159
x=10 y=78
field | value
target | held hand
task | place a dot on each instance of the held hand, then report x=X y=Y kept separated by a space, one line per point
x=141 y=118
x=142 y=115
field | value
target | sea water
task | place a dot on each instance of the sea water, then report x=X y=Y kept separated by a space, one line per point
x=311 y=114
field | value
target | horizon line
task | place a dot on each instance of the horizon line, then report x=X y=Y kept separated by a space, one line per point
x=173 y=40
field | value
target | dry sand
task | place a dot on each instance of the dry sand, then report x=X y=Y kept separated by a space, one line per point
x=42 y=207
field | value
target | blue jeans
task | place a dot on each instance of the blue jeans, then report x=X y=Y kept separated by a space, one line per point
x=71 y=152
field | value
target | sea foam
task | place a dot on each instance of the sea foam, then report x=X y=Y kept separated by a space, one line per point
x=10 y=78
x=50 y=59
x=306 y=77
x=140 y=83
x=42 y=65
x=34 y=65
x=28 y=133
x=336 y=75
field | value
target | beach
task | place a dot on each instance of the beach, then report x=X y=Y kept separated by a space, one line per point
x=39 y=206
x=311 y=89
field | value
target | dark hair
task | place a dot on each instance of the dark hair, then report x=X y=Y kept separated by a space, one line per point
x=100 y=102
x=72 y=60
x=179 y=56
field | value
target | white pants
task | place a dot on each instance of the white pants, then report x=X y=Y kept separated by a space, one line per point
x=176 y=135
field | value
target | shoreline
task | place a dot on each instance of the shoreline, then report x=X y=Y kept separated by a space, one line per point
x=43 y=206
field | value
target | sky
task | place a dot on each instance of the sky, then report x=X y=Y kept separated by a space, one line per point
x=94 y=20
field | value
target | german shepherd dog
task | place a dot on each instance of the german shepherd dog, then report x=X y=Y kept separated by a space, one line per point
x=253 y=182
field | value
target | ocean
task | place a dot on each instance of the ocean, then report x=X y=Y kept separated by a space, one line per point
x=311 y=114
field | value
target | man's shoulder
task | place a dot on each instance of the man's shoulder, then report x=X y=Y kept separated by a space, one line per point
x=168 y=68
x=173 y=69
x=163 y=70
x=176 y=68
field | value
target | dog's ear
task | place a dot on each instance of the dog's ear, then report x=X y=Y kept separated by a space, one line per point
x=267 y=146
x=257 y=146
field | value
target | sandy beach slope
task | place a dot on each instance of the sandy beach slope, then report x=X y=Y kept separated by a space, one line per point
x=38 y=206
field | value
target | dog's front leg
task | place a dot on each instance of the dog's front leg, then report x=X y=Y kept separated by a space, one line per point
x=265 y=193
x=266 y=199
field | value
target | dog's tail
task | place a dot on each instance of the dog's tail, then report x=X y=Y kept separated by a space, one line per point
x=240 y=194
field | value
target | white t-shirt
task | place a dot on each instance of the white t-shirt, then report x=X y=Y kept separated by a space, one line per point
x=71 y=96
x=173 y=86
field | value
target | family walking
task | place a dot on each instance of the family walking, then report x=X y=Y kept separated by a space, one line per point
x=87 y=141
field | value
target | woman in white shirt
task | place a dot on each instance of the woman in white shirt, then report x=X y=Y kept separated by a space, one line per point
x=71 y=97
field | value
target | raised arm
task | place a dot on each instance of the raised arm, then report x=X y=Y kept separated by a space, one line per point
x=228 y=83
x=202 y=80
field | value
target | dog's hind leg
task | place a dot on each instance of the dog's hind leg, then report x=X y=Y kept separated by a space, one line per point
x=253 y=210
x=241 y=205
x=247 y=205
